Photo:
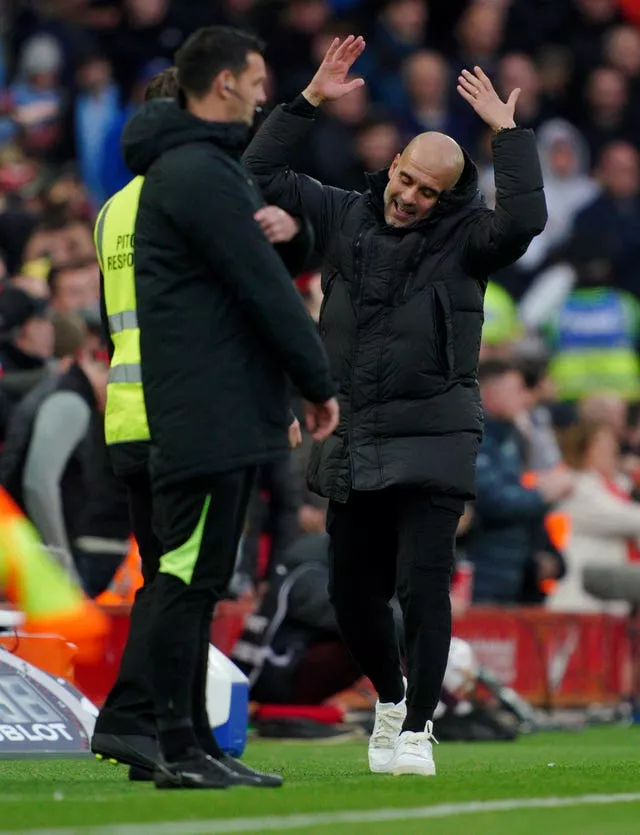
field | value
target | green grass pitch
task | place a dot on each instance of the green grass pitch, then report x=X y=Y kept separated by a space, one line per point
x=85 y=796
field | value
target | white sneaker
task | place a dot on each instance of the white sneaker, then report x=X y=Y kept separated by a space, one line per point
x=413 y=754
x=386 y=730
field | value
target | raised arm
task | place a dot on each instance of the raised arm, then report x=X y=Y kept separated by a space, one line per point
x=268 y=155
x=499 y=238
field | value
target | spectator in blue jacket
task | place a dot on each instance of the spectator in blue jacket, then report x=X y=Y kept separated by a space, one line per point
x=507 y=533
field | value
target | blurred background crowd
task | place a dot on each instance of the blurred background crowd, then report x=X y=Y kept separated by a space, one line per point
x=560 y=376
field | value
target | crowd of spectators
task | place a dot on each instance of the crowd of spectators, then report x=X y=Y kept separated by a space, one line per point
x=560 y=374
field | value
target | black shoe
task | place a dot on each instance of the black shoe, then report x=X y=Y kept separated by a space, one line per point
x=195 y=771
x=251 y=777
x=129 y=749
x=140 y=775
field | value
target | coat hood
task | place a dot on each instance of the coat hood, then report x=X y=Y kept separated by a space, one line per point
x=559 y=130
x=464 y=193
x=161 y=125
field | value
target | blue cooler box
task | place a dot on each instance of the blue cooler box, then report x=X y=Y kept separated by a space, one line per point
x=227 y=703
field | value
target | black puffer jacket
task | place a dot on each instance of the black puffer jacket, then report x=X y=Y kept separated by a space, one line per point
x=221 y=324
x=402 y=313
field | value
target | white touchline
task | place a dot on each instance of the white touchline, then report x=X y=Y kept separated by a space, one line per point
x=282 y=822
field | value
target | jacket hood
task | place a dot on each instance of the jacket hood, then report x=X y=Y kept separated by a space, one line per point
x=559 y=130
x=161 y=125
x=465 y=192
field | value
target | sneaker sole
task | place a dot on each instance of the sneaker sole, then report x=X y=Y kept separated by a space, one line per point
x=400 y=770
x=382 y=768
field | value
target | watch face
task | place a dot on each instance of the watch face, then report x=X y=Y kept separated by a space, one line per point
x=39 y=714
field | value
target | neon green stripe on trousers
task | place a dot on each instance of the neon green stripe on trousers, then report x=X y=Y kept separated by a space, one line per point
x=181 y=562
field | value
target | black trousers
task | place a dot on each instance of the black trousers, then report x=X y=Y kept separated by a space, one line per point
x=396 y=539
x=129 y=708
x=279 y=516
x=199 y=524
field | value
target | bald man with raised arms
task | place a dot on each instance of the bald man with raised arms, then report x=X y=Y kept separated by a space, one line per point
x=405 y=267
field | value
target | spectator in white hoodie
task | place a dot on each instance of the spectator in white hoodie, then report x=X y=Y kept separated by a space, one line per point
x=605 y=522
x=568 y=188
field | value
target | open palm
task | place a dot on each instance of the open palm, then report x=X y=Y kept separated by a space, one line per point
x=330 y=81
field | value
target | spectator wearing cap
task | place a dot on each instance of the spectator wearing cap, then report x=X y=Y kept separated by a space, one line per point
x=26 y=333
x=26 y=343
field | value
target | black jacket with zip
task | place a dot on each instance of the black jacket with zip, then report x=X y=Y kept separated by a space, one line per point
x=403 y=309
x=221 y=324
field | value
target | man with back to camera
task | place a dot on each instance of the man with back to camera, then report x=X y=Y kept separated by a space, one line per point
x=125 y=730
x=220 y=324
x=405 y=269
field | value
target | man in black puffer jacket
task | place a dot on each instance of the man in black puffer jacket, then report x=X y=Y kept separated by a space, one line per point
x=221 y=328
x=405 y=269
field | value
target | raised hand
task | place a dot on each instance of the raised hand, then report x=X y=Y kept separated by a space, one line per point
x=330 y=81
x=477 y=89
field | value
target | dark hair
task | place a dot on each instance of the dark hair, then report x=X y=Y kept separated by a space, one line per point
x=164 y=85
x=68 y=267
x=92 y=57
x=53 y=219
x=375 y=118
x=208 y=52
x=534 y=371
x=492 y=369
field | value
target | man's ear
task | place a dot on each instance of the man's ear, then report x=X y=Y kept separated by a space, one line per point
x=394 y=165
x=223 y=84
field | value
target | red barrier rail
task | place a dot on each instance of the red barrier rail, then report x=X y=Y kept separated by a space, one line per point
x=551 y=659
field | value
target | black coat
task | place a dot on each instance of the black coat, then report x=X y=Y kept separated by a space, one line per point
x=402 y=313
x=221 y=324
x=132 y=457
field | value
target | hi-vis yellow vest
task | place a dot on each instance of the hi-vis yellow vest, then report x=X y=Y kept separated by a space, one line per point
x=125 y=415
